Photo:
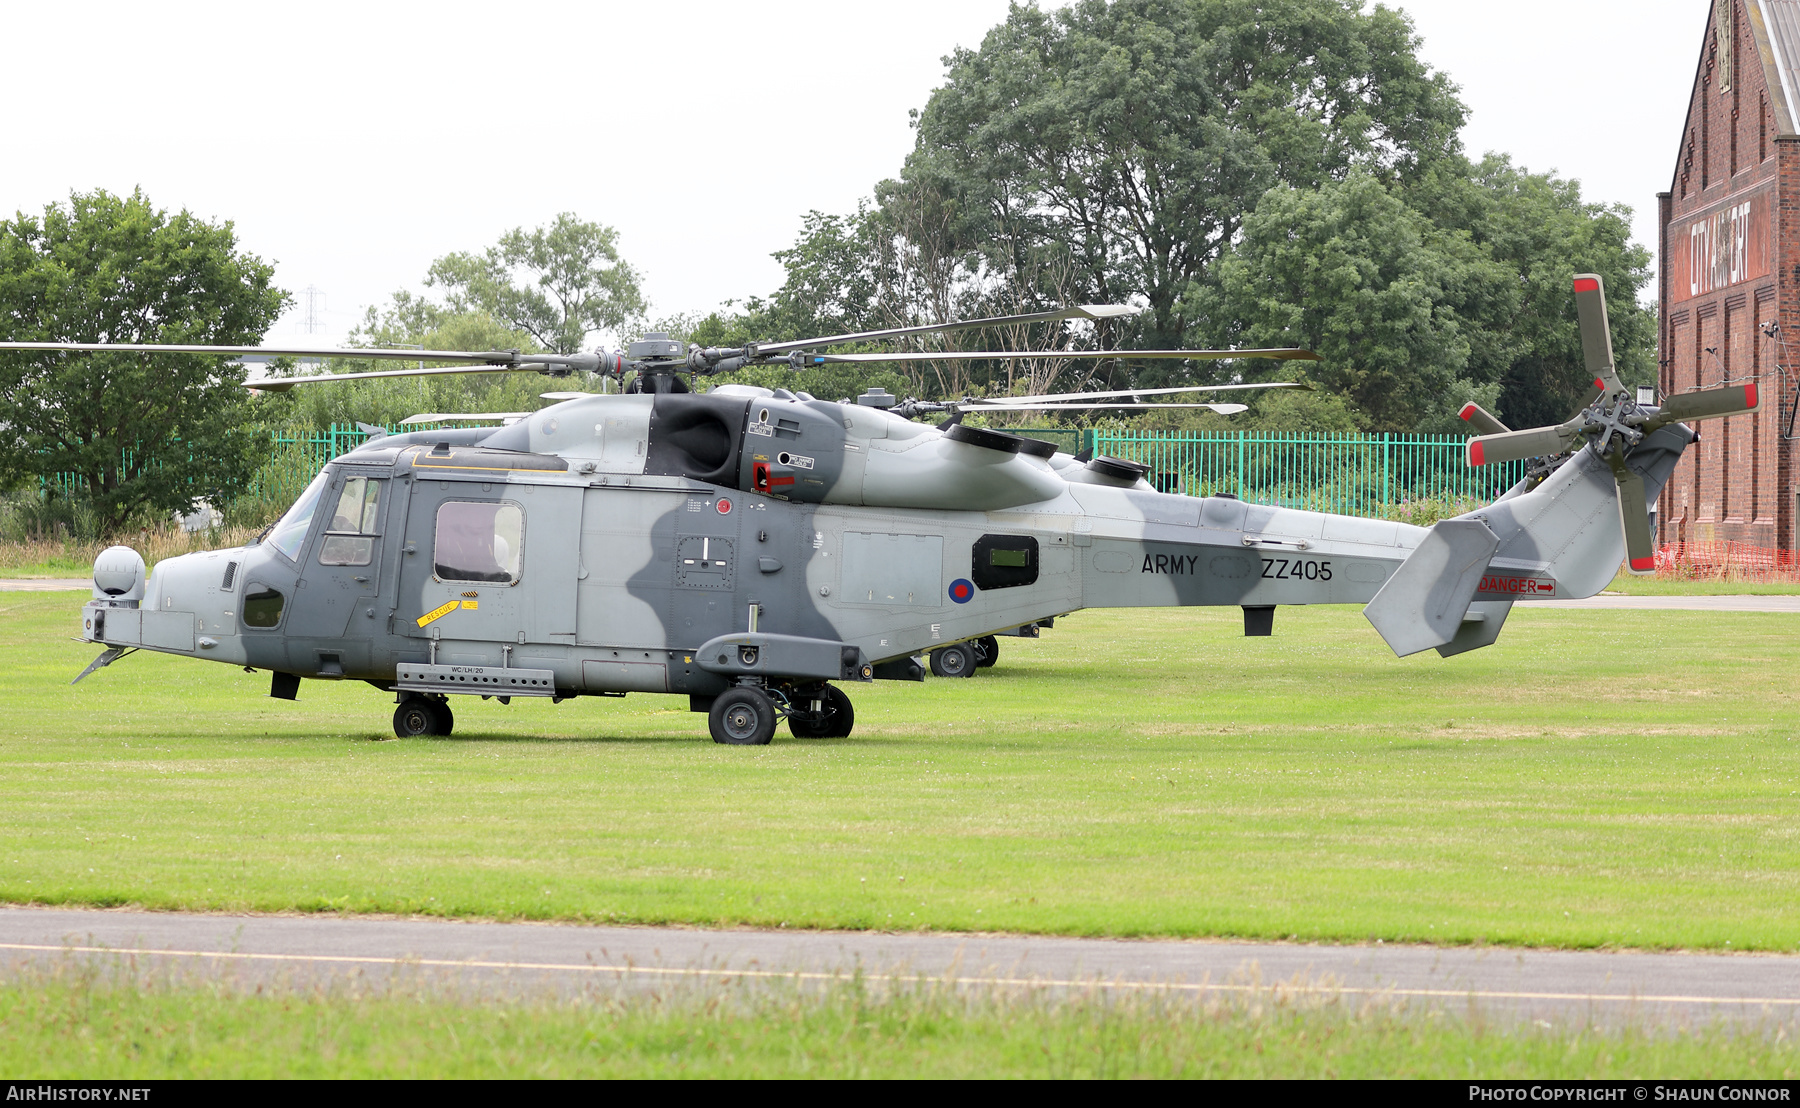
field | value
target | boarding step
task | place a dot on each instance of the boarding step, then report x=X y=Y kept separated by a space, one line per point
x=486 y=680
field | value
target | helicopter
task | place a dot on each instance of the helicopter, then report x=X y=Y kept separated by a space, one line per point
x=756 y=549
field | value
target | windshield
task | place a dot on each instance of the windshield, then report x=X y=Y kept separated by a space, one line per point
x=291 y=531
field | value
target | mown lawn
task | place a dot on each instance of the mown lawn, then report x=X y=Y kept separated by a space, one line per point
x=1625 y=779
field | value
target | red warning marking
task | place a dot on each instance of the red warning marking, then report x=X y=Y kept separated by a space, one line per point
x=1517 y=586
x=1476 y=450
x=724 y=505
x=1599 y=384
x=1586 y=284
x=1468 y=410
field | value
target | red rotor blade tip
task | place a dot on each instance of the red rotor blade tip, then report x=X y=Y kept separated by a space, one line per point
x=1586 y=284
x=1468 y=409
x=1644 y=563
x=1476 y=451
x=1750 y=395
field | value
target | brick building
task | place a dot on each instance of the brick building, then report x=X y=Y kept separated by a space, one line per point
x=1730 y=277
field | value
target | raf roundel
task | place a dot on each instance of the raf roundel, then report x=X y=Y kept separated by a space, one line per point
x=962 y=590
x=724 y=506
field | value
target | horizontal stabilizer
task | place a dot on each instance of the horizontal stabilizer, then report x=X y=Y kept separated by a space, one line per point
x=1423 y=603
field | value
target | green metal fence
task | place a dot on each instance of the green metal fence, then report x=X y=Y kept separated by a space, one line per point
x=1349 y=474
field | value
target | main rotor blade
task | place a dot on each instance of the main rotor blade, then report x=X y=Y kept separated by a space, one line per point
x=1596 y=339
x=1710 y=404
x=1634 y=516
x=1482 y=420
x=483 y=357
x=1285 y=354
x=452 y=417
x=1051 y=396
x=1079 y=311
x=1222 y=409
x=283 y=384
x=1510 y=446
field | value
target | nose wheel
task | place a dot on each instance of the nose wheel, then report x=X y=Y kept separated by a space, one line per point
x=423 y=715
x=744 y=716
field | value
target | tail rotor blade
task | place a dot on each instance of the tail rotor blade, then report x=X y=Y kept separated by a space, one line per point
x=1710 y=404
x=1634 y=517
x=1596 y=338
x=1482 y=420
x=1511 y=446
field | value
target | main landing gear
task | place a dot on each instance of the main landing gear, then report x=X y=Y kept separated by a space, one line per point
x=747 y=714
x=420 y=715
x=962 y=659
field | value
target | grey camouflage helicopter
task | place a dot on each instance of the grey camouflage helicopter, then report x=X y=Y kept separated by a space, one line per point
x=752 y=548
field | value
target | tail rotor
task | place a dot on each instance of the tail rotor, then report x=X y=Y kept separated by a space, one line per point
x=1612 y=421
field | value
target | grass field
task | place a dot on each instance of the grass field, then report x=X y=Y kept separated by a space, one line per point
x=1619 y=779
x=77 y=1024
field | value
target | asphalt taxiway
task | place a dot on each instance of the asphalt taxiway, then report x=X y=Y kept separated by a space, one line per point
x=514 y=959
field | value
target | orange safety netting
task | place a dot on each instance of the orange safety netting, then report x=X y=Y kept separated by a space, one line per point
x=1728 y=560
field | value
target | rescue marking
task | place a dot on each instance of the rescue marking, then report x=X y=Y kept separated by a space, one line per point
x=441 y=610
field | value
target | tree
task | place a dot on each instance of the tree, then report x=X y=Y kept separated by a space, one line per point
x=1350 y=272
x=556 y=283
x=1133 y=136
x=141 y=432
x=1525 y=338
x=1424 y=295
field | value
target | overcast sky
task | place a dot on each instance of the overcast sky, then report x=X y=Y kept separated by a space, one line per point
x=354 y=143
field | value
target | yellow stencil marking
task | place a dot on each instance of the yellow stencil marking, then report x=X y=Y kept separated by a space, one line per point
x=471 y=605
x=443 y=609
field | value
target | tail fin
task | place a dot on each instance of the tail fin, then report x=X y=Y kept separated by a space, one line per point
x=1561 y=539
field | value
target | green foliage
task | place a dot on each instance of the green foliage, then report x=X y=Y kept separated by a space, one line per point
x=555 y=283
x=144 y=433
x=1132 y=137
x=1450 y=288
x=1350 y=272
x=1538 y=233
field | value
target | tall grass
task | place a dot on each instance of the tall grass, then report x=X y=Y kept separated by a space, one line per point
x=89 y=1021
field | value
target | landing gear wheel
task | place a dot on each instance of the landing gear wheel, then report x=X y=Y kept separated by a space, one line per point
x=990 y=651
x=955 y=660
x=743 y=716
x=446 y=719
x=414 y=717
x=835 y=719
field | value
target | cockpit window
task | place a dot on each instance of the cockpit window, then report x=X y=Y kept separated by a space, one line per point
x=291 y=531
x=478 y=541
x=349 y=537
